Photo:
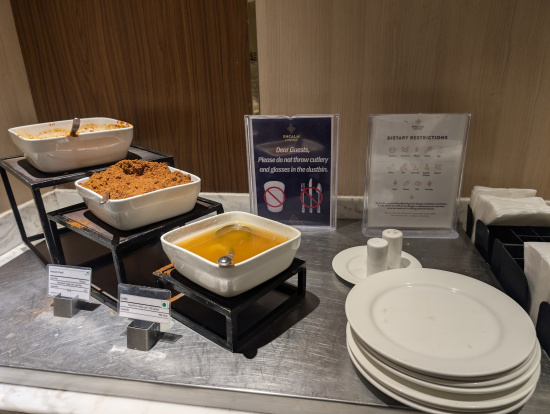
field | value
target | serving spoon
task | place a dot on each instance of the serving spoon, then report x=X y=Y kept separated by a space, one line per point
x=74 y=128
x=232 y=227
x=227 y=259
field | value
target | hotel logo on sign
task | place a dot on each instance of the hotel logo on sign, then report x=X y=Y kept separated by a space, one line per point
x=291 y=136
x=418 y=127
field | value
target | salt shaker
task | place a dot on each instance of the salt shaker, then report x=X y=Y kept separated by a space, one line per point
x=395 y=246
x=377 y=255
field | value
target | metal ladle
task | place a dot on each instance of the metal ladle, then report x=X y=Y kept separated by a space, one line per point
x=227 y=259
x=74 y=128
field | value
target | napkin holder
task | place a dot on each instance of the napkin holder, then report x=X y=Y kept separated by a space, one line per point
x=485 y=236
x=543 y=326
x=507 y=265
x=502 y=248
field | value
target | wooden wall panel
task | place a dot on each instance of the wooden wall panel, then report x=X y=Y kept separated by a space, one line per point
x=359 y=57
x=178 y=70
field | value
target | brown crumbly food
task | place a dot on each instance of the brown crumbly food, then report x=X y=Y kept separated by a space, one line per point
x=128 y=178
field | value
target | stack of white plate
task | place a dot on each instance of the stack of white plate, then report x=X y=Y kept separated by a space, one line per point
x=442 y=342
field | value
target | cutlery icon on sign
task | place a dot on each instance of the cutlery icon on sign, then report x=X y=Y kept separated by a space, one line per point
x=310 y=200
x=302 y=187
x=319 y=189
x=310 y=195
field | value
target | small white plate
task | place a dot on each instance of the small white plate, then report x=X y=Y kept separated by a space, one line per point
x=506 y=382
x=440 y=323
x=423 y=407
x=351 y=264
x=435 y=398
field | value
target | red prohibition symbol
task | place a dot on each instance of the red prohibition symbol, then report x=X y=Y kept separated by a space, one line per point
x=278 y=194
x=314 y=203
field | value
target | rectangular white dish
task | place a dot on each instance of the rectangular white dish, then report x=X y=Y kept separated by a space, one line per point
x=141 y=210
x=67 y=153
x=241 y=277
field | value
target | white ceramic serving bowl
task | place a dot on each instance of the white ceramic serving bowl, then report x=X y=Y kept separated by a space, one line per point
x=141 y=210
x=241 y=277
x=69 y=153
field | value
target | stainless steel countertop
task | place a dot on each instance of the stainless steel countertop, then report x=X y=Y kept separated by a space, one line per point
x=305 y=369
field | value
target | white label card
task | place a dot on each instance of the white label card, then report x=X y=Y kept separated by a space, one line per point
x=69 y=281
x=145 y=309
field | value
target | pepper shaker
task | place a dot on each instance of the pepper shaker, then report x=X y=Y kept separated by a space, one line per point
x=377 y=255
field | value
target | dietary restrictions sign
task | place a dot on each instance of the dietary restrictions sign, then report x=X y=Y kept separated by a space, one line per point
x=292 y=168
x=414 y=173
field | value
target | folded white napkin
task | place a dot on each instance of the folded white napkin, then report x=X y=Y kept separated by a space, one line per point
x=479 y=190
x=537 y=271
x=499 y=192
x=530 y=211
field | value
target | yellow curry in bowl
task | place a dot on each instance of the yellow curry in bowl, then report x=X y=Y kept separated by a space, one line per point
x=243 y=243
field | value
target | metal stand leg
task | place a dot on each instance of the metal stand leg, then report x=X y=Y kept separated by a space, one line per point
x=13 y=205
x=44 y=221
x=119 y=265
x=58 y=257
x=231 y=329
x=18 y=220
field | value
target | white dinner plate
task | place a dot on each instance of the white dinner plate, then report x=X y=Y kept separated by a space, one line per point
x=439 y=399
x=440 y=323
x=351 y=264
x=508 y=382
x=423 y=407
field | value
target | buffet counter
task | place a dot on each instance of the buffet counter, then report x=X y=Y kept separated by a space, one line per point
x=301 y=365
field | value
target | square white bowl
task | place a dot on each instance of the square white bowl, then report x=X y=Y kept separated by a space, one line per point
x=241 y=277
x=70 y=153
x=141 y=210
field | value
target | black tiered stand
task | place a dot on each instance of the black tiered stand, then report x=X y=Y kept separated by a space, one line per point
x=20 y=168
x=233 y=322
x=120 y=243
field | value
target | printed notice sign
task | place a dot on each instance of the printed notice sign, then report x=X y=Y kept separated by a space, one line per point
x=292 y=168
x=144 y=308
x=414 y=173
x=69 y=281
